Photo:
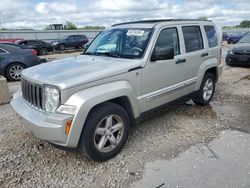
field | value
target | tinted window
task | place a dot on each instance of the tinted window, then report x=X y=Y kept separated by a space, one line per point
x=168 y=38
x=211 y=36
x=193 y=38
x=71 y=38
x=33 y=42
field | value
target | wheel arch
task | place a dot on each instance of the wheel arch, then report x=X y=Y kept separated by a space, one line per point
x=119 y=92
x=211 y=66
x=9 y=64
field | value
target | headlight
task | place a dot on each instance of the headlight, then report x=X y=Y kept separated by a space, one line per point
x=51 y=98
x=55 y=43
x=231 y=52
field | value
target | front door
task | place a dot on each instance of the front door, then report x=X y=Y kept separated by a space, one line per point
x=166 y=80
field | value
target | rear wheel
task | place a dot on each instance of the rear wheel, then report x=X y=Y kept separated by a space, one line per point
x=105 y=132
x=206 y=91
x=43 y=51
x=13 y=71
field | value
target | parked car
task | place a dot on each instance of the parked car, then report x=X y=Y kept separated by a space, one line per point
x=14 y=58
x=40 y=46
x=234 y=38
x=76 y=41
x=224 y=36
x=240 y=53
x=90 y=101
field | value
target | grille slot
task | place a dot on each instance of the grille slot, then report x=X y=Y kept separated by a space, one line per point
x=32 y=93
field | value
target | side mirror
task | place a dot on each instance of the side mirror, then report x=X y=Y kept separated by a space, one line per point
x=162 y=54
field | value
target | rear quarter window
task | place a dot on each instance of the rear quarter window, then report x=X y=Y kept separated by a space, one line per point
x=192 y=38
x=211 y=36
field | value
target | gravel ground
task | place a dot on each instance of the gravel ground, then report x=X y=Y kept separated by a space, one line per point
x=164 y=134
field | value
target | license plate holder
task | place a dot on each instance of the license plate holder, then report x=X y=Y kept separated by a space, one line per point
x=243 y=58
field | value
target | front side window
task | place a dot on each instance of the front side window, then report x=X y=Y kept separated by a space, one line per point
x=211 y=36
x=193 y=38
x=121 y=42
x=33 y=42
x=168 y=38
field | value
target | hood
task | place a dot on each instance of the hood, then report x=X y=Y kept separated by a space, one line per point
x=241 y=47
x=71 y=72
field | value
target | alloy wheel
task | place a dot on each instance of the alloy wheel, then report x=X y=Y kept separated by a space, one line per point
x=108 y=133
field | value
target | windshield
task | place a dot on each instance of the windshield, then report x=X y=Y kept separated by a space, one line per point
x=245 y=39
x=122 y=43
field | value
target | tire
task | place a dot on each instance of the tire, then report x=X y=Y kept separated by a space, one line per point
x=62 y=47
x=13 y=71
x=206 y=91
x=100 y=143
x=43 y=51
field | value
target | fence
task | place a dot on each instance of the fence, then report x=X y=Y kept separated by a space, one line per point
x=236 y=30
x=44 y=35
x=54 y=35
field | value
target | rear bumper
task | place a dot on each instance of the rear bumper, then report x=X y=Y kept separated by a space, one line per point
x=45 y=126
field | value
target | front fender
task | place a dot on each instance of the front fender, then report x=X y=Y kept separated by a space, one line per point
x=210 y=63
x=85 y=100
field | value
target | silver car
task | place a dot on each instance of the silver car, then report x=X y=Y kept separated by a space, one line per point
x=90 y=101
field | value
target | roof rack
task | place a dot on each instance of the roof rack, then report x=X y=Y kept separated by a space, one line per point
x=157 y=21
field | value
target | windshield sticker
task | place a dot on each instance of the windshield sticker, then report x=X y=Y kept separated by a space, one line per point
x=135 y=32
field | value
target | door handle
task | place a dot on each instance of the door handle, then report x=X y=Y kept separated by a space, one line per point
x=204 y=54
x=180 y=61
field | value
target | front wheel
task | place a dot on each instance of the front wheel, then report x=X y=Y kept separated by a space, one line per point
x=105 y=132
x=13 y=71
x=206 y=91
x=62 y=47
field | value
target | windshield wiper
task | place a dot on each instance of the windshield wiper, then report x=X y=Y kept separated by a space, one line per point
x=109 y=54
x=87 y=53
x=102 y=53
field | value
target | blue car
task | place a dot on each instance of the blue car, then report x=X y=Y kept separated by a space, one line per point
x=14 y=58
x=70 y=41
x=234 y=38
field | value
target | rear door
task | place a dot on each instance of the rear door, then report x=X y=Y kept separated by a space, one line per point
x=195 y=51
x=212 y=42
x=71 y=41
x=3 y=59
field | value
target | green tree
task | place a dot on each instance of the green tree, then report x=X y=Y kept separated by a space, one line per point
x=47 y=28
x=245 y=24
x=202 y=18
x=89 y=27
x=70 y=26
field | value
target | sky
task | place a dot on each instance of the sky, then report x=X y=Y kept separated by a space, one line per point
x=37 y=14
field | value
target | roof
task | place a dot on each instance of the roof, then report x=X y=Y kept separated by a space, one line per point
x=159 y=21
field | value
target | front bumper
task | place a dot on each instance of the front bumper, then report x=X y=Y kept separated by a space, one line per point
x=45 y=126
x=235 y=60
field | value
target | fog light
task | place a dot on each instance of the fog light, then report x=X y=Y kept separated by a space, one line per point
x=68 y=126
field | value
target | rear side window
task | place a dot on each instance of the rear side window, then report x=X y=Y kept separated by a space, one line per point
x=211 y=36
x=193 y=38
x=168 y=38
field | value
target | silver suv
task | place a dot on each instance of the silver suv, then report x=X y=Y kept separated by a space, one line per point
x=91 y=100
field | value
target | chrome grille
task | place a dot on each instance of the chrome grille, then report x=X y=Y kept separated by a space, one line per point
x=32 y=93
